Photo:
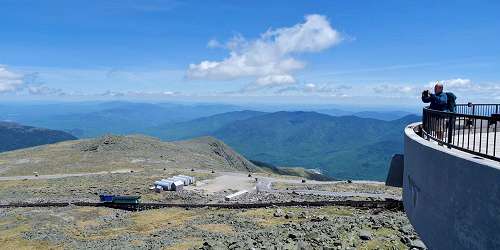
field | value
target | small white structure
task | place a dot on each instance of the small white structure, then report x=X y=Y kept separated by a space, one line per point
x=168 y=181
x=183 y=179
x=165 y=185
x=192 y=180
x=177 y=185
x=232 y=196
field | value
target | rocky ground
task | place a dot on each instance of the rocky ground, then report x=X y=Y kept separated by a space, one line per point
x=206 y=228
x=329 y=227
x=129 y=166
x=87 y=189
x=374 y=188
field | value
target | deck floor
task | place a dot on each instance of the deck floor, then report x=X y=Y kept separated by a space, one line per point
x=485 y=143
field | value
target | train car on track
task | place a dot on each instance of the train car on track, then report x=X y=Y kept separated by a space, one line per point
x=119 y=199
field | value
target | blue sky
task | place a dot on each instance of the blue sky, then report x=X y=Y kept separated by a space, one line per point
x=283 y=51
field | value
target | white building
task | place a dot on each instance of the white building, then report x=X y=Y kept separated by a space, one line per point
x=177 y=185
x=192 y=180
x=184 y=180
x=165 y=185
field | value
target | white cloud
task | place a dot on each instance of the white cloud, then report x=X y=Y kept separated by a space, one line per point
x=315 y=89
x=395 y=90
x=43 y=90
x=25 y=83
x=456 y=83
x=9 y=81
x=275 y=80
x=169 y=93
x=110 y=93
x=213 y=43
x=465 y=89
x=310 y=87
x=270 y=58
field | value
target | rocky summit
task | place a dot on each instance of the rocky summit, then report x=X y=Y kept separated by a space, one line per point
x=49 y=198
x=111 y=152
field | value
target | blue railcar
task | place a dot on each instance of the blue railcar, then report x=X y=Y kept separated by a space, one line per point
x=121 y=199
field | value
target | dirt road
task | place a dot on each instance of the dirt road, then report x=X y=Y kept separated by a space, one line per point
x=55 y=176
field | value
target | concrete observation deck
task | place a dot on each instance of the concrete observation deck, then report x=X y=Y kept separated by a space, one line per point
x=451 y=197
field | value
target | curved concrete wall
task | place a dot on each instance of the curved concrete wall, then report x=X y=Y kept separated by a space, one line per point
x=452 y=198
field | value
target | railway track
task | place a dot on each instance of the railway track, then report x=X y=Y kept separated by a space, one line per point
x=383 y=204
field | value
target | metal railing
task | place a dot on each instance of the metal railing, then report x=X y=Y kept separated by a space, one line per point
x=473 y=128
x=478 y=109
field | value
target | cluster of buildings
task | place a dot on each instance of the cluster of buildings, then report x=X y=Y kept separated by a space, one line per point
x=175 y=183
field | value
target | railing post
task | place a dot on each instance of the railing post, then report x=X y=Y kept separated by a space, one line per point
x=426 y=126
x=451 y=123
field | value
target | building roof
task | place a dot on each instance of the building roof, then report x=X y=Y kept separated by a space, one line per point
x=179 y=183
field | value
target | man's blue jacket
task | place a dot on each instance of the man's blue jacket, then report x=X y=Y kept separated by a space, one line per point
x=438 y=101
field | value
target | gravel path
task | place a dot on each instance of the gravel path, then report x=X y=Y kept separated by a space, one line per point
x=56 y=176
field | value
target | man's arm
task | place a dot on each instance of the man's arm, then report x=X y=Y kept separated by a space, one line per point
x=427 y=98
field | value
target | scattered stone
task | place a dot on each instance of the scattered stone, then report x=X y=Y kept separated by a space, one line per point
x=289 y=215
x=301 y=245
x=418 y=244
x=405 y=240
x=206 y=246
x=279 y=213
x=406 y=229
x=319 y=218
x=365 y=235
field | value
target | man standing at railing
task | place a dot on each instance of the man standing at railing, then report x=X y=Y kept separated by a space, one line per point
x=439 y=102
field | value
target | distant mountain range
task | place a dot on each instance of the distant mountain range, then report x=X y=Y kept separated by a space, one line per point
x=201 y=126
x=343 y=146
x=86 y=120
x=380 y=115
x=383 y=115
x=14 y=136
x=354 y=145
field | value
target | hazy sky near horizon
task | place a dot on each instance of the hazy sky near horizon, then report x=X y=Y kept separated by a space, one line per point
x=300 y=51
